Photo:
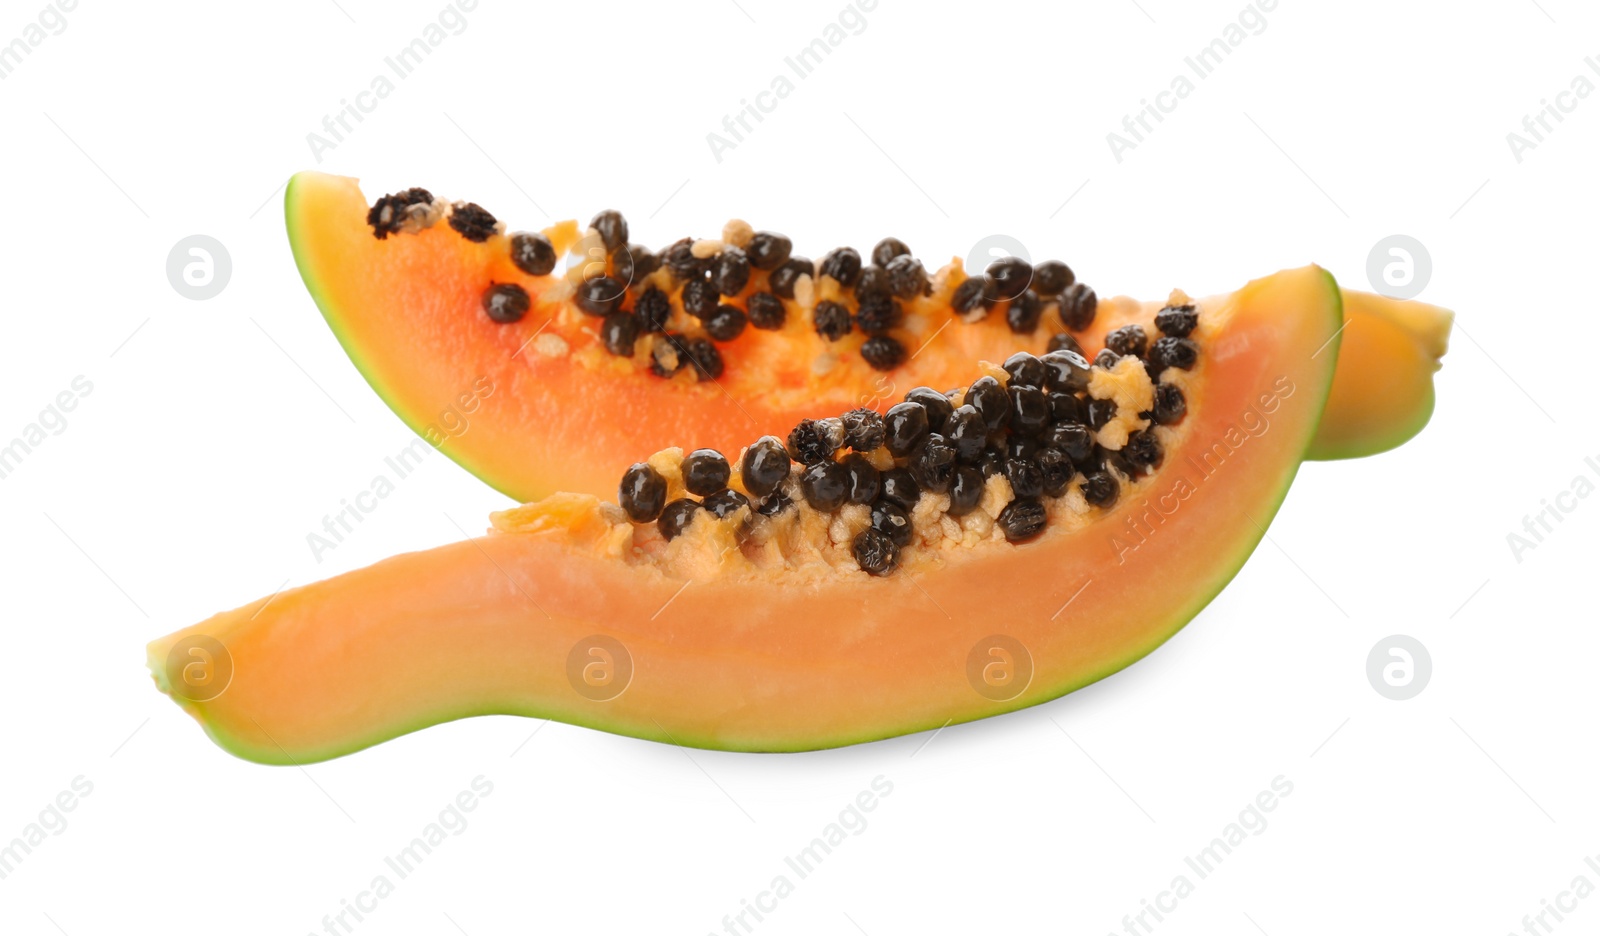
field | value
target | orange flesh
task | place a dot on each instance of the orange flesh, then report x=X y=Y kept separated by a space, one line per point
x=746 y=658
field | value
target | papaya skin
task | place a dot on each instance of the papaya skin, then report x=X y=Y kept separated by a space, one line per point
x=744 y=659
x=531 y=423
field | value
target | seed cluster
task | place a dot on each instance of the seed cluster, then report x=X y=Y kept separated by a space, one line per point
x=720 y=288
x=1036 y=428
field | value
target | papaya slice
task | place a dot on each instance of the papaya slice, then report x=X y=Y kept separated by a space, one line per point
x=758 y=633
x=542 y=404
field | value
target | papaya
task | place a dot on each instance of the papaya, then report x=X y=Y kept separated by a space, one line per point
x=875 y=571
x=540 y=378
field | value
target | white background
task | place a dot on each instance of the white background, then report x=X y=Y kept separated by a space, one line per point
x=219 y=433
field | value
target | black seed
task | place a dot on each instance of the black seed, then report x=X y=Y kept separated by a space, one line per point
x=1129 y=339
x=1078 y=305
x=705 y=472
x=992 y=462
x=825 y=485
x=1117 y=461
x=1073 y=440
x=864 y=480
x=886 y=250
x=725 y=503
x=972 y=298
x=668 y=355
x=814 y=440
x=991 y=401
x=1022 y=315
x=831 y=320
x=643 y=493
x=765 y=311
x=633 y=263
x=863 y=429
x=1030 y=410
x=966 y=431
x=676 y=517
x=680 y=259
x=1144 y=451
x=533 y=253
x=388 y=214
x=900 y=488
x=905 y=425
x=907 y=277
x=774 y=504
x=730 y=271
x=1106 y=359
x=727 y=323
x=1061 y=341
x=768 y=250
x=472 y=221
x=654 y=310
x=1181 y=353
x=1022 y=520
x=874 y=281
x=600 y=295
x=1022 y=447
x=612 y=228
x=1100 y=489
x=933 y=464
x=1011 y=276
x=1101 y=412
x=1177 y=321
x=878 y=313
x=966 y=490
x=1056 y=469
x=875 y=553
x=700 y=298
x=783 y=278
x=618 y=332
x=1169 y=406
x=505 y=302
x=765 y=466
x=843 y=264
x=1026 y=370
x=893 y=521
x=1067 y=408
x=1068 y=370
x=1052 y=277
x=937 y=404
x=1027 y=480
x=705 y=357
x=882 y=352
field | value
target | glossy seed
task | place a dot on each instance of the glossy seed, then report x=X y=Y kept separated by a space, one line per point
x=900 y=488
x=1022 y=520
x=991 y=401
x=505 y=302
x=1100 y=489
x=472 y=221
x=933 y=464
x=825 y=485
x=700 y=298
x=1129 y=339
x=600 y=295
x=1025 y=370
x=768 y=250
x=1052 y=277
x=1027 y=480
x=705 y=357
x=882 y=352
x=532 y=253
x=907 y=277
x=1144 y=451
x=765 y=466
x=1101 y=412
x=783 y=278
x=653 y=309
x=966 y=431
x=774 y=504
x=633 y=263
x=1056 y=471
x=765 y=311
x=730 y=271
x=831 y=320
x=1177 y=321
x=877 y=313
x=864 y=481
x=1023 y=447
x=727 y=323
x=618 y=332
x=843 y=264
x=612 y=228
x=971 y=300
x=1022 y=315
x=815 y=440
x=1067 y=408
x=725 y=503
x=1068 y=370
x=1169 y=406
x=1106 y=359
x=676 y=517
x=1011 y=275
x=886 y=250
x=892 y=520
x=863 y=429
x=966 y=490
x=875 y=553
x=905 y=426
x=1030 y=410
x=680 y=259
x=992 y=462
x=1181 y=353
x=937 y=404
x=1078 y=306
x=1072 y=440
x=705 y=472
x=1061 y=341
x=642 y=493
x=873 y=281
